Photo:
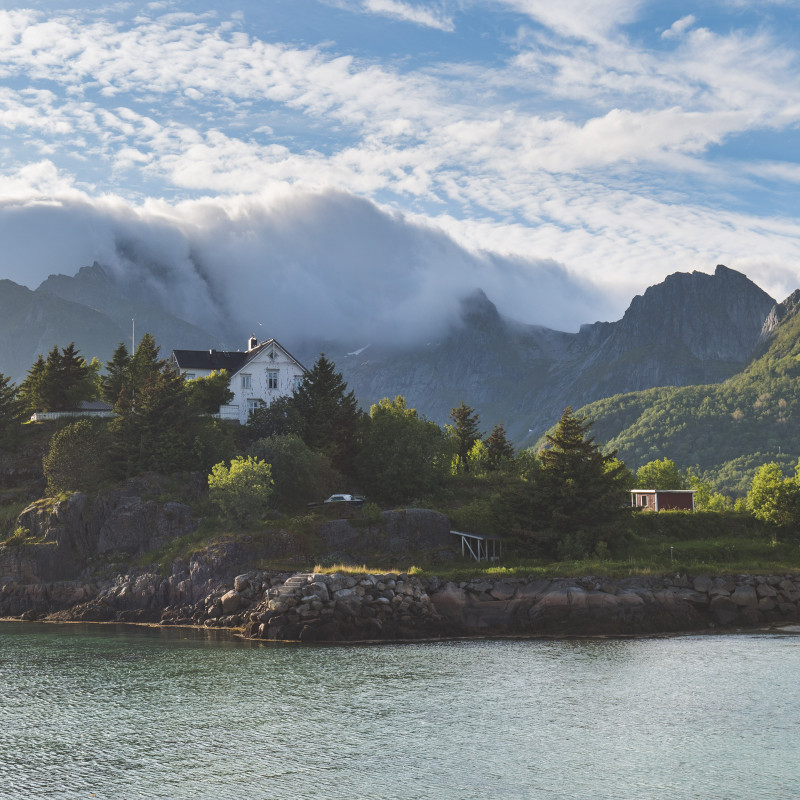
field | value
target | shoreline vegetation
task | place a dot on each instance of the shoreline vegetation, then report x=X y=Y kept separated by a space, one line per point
x=162 y=513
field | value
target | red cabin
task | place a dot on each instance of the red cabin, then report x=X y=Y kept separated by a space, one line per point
x=663 y=499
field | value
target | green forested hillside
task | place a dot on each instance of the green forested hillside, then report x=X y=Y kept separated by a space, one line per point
x=726 y=430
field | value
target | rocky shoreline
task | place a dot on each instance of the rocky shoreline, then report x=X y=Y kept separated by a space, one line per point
x=76 y=566
x=313 y=607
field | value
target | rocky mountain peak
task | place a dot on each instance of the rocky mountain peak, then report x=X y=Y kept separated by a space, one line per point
x=717 y=316
x=779 y=312
x=477 y=307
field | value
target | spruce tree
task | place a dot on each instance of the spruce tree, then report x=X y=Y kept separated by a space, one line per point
x=327 y=415
x=158 y=431
x=582 y=491
x=500 y=452
x=59 y=382
x=465 y=432
x=118 y=374
x=30 y=390
x=50 y=390
x=11 y=411
x=145 y=364
x=75 y=379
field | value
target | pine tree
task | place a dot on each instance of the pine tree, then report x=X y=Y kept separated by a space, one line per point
x=74 y=379
x=465 y=433
x=145 y=364
x=59 y=382
x=11 y=410
x=118 y=374
x=30 y=390
x=500 y=452
x=328 y=417
x=582 y=491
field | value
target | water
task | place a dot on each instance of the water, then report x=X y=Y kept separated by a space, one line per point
x=121 y=712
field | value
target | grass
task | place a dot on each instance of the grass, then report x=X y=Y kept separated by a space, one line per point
x=22 y=537
x=644 y=555
x=353 y=569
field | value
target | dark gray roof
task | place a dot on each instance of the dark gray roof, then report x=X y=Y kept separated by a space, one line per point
x=232 y=361
x=210 y=359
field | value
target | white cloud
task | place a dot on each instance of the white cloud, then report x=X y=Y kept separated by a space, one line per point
x=583 y=19
x=580 y=146
x=679 y=27
x=417 y=14
x=304 y=264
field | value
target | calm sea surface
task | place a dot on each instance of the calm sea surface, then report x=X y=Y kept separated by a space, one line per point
x=122 y=712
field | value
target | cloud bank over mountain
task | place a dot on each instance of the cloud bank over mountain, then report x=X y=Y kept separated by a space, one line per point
x=623 y=139
x=298 y=264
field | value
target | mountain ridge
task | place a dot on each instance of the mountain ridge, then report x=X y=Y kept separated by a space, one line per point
x=691 y=328
x=725 y=430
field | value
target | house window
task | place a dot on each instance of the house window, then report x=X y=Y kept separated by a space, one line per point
x=272 y=379
x=189 y=376
x=644 y=500
x=247 y=382
x=298 y=379
x=253 y=403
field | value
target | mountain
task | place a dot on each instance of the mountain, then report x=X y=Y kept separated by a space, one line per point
x=32 y=322
x=97 y=288
x=726 y=430
x=89 y=309
x=692 y=328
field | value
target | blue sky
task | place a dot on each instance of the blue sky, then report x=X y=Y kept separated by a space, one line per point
x=563 y=156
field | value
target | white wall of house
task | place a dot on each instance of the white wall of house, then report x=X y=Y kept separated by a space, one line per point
x=269 y=375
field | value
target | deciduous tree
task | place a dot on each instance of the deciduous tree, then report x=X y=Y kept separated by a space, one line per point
x=241 y=491
x=208 y=392
x=404 y=455
x=300 y=474
x=772 y=497
x=76 y=459
x=660 y=474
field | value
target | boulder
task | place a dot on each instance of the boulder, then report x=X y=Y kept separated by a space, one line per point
x=723 y=610
x=745 y=596
x=231 y=602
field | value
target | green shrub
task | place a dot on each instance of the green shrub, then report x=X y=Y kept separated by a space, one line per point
x=242 y=491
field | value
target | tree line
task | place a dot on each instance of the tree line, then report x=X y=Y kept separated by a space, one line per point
x=568 y=500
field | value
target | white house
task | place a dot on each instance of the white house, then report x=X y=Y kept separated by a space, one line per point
x=259 y=375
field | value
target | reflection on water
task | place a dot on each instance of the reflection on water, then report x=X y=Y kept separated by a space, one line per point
x=125 y=712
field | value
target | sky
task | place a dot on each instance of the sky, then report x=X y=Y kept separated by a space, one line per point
x=353 y=165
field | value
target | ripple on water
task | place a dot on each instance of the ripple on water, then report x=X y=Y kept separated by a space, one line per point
x=147 y=713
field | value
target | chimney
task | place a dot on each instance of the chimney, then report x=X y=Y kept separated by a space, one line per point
x=253 y=342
